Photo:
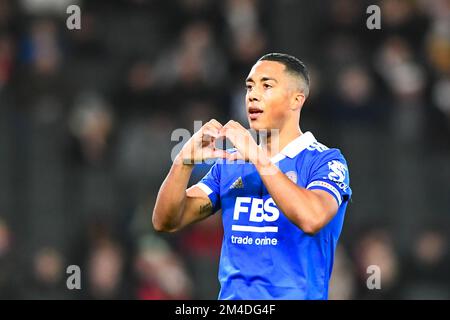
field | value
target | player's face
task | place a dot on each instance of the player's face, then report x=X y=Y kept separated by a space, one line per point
x=268 y=95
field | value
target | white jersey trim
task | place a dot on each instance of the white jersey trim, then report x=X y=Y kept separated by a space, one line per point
x=328 y=186
x=205 y=188
x=295 y=147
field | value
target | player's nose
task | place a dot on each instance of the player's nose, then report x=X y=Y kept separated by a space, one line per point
x=253 y=96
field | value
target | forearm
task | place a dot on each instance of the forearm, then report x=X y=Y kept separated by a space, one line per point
x=171 y=197
x=301 y=206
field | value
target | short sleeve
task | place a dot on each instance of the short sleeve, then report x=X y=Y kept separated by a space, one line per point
x=210 y=184
x=330 y=173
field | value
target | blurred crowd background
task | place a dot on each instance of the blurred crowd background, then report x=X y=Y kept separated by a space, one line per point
x=86 y=118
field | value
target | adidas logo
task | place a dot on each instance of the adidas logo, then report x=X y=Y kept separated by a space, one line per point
x=238 y=184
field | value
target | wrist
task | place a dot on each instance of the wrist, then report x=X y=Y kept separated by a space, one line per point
x=264 y=164
x=261 y=159
x=184 y=159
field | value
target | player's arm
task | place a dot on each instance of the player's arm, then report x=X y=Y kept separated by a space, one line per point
x=176 y=206
x=310 y=210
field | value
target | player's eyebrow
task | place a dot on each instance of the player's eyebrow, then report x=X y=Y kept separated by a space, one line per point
x=262 y=79
x=267 y=79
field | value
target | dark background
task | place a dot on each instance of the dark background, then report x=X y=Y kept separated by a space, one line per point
x=86 y=118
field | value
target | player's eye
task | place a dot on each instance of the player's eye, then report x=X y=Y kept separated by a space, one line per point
x=249 y=87
x=267 y=86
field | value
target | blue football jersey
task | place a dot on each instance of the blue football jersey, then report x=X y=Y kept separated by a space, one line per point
x=264 y=255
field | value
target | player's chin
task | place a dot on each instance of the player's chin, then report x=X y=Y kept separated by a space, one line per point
x=257 y=125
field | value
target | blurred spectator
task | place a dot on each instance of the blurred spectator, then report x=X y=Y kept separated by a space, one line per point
x=438 y=55
x=43 y=48
x=403 y=19
x=377 y=249
x=106 y=271
x=194 y=63
x=91 y=124
x=186 y=11
x=428 y=266
x=5 y=13
x=6 y=59
x=201 y=244
x=160 y=272
x=354 y=98
x=39 y=84
x=47 y=279
x=57 y=7
x=140 y=92
x=86 y=43
x=441 y=97
x=406 y=80
x=8 y=287
x=397 y=65
x=438 y=47
x=138 y=162
x=5 y=238
x=243 y=28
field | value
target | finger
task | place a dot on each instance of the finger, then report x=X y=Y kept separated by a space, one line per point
x=214 y=123
x=228 y=129
x=235 y=136
x=236 y=125
x=239 y=126
x=232 y=133
x=210 y=132
x=230 y=124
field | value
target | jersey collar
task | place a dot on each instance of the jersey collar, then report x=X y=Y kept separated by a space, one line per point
x=295 y=147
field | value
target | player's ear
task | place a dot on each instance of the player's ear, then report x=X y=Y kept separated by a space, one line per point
x=297 y=100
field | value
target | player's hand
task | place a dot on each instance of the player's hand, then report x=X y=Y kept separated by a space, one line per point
x=242 y=140
x=201 y=146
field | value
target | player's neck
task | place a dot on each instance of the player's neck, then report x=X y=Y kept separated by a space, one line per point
x=277 y=140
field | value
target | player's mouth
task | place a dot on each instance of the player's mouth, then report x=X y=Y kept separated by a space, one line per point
x=254 y=113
